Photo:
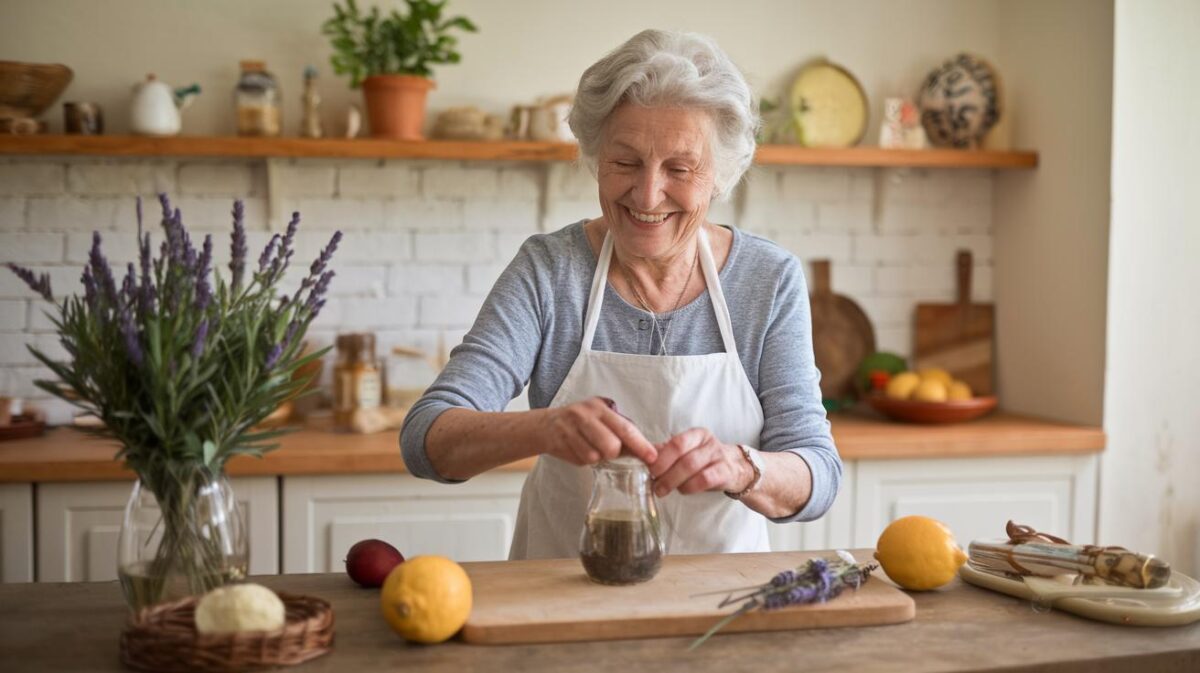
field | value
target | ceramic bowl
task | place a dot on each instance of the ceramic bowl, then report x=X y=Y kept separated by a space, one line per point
x=932 y=412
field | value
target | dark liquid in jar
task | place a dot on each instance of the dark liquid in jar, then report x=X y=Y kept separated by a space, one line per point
x=622 y=548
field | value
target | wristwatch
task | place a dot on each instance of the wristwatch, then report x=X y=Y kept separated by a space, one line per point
x=756 y=463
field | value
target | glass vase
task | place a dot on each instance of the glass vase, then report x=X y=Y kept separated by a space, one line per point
x=183 y=534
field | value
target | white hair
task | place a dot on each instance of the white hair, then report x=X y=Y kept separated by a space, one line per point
x=657 y=68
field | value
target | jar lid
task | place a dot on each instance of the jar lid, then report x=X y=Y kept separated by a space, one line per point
x=253 y=66
x=624 y=462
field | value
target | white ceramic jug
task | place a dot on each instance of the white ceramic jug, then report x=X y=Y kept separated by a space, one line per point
x=155 y=108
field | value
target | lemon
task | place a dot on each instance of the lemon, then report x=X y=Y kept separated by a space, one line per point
x=958 y=391
x=930 y=390
x=426 y=599
x=936 y=374
x=919 y=553
x=901 y=386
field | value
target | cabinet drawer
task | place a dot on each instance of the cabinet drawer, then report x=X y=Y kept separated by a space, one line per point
x=975 y=497
x=16 y=532
x=325 y=516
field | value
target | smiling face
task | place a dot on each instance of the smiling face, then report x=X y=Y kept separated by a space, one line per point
x=656 y=177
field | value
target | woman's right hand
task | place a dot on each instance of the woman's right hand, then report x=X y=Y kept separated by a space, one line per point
x=586 y=432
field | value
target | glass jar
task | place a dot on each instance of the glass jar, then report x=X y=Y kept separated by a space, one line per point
x=357 y=382
x=622 y=539
x=185 y=539
x=257 y=101
x=408 y=374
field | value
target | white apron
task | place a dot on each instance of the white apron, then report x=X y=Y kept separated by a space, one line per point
x=663 y=395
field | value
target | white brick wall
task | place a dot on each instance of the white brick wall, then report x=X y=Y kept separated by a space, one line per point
x=425 y=240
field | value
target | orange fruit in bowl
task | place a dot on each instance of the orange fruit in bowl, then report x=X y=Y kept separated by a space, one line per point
x=426 y=599
x=930 y=390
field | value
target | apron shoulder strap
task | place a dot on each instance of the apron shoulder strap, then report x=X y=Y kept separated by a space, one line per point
x=720 y=308
x=596 y=295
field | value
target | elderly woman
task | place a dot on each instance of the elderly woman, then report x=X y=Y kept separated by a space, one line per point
x=698 y=331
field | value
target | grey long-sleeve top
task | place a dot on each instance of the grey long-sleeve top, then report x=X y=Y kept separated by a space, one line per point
x=531 y=325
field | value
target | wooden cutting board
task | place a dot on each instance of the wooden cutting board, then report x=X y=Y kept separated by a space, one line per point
x=842 y=335
x=554 y=601
x=957 y=337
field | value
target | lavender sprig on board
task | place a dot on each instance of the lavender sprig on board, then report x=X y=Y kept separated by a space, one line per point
x=817 y=581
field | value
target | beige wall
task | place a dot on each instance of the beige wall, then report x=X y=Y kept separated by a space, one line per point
x=525 y=48
x=1051 y=235
x=1150 y=474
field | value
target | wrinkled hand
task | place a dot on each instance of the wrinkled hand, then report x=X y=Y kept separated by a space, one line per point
x=694 y=461
x=584 y=433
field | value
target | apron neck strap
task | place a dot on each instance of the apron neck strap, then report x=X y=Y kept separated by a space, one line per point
x=711 y=277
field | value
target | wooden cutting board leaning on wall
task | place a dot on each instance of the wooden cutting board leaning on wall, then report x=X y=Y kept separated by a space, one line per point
x=841 y=332
x=957 y=337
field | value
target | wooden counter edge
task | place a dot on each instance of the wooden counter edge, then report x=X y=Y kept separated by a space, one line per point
x=305 y=453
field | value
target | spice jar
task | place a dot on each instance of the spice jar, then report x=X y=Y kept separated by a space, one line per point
x=257 y=101
x=622 y=539
x=357 y=383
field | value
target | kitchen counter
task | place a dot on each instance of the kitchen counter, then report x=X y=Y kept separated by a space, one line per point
x=957 y=628
x=65 y=454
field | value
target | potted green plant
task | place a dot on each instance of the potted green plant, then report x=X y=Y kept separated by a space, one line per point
x=180 y=365
x=390 y=57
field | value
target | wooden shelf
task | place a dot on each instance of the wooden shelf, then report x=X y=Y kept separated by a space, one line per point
x=366 y=148
x=65 y=454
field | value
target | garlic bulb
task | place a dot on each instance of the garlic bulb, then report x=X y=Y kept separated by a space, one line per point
x=240 y=607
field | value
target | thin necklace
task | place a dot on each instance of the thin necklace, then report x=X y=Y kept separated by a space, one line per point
x=662 y=335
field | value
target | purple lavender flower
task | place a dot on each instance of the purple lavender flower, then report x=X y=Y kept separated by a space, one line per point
x=319 y=290
x=139 y=218
x=785 y=577
x=203 y=289
x=39 y=284
x=237 y=246
x=146 y=293
x=265 y=258
x=133 y=346
x=273 y=356
x=102 y=272
x=199 y=340
x=89 y=287
x=129 y=288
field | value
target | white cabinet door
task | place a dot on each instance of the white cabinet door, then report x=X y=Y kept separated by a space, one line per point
x=16 y=532
x=325 y=515
x=976 y=496
x=831 y=531
x=79 y=524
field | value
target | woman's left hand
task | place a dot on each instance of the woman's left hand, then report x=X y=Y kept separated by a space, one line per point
x=694 y=461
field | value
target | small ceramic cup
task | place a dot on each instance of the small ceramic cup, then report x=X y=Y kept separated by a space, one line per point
x=83 y=119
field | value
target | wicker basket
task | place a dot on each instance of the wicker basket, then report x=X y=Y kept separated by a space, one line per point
x=27 y=89
x=163 y=638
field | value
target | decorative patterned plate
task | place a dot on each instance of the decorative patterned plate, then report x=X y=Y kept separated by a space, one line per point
x=960 y=102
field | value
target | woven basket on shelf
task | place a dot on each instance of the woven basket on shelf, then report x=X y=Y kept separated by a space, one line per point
x=163 y=638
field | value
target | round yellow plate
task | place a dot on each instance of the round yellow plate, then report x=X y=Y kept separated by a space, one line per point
x=829 y=106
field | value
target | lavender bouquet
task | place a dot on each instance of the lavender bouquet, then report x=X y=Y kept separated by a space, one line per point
x=180 y=363
x=817 y=581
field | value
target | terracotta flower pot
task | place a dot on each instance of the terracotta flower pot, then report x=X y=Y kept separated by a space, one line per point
x=396 y=105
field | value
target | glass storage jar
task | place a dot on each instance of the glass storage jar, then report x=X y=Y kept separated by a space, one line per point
x=257 y=101
x=357 y=381
x=622 y=540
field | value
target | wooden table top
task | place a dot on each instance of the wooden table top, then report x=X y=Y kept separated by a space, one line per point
x=75 y=627
x=65 y=454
